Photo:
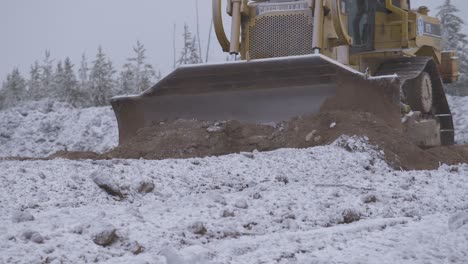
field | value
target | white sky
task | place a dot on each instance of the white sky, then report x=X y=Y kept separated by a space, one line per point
x=71 y=27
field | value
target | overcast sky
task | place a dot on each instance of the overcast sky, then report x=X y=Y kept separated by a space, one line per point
x=73 y=27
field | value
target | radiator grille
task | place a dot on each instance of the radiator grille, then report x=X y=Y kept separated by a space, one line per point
x=280 y=36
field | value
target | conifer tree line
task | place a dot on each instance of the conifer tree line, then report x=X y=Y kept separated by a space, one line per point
x=92 y=82
x=454 y=39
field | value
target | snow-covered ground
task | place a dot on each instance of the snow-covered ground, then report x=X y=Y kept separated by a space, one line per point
x=459 y=107
x=318 y=205
x=39 y=129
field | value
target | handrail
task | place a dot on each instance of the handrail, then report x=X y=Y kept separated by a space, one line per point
x=219 y=28
x=343 y=37
x=235 y=26
x=318 y=26
x=404 y=23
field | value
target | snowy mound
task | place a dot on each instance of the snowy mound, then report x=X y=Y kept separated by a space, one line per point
x=459 y=106
x=332 y=204
x=39 y=129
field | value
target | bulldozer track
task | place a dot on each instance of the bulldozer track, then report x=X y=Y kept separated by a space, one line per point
x=410 y=68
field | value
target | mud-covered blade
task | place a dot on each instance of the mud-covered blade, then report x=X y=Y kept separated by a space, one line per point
x=260 y=91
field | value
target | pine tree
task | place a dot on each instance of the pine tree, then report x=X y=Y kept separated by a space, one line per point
x=57 y=91
x=34 y=82
x=2 y=95
x=70 y=86
x=47 y=76
x=83 y=76
x=194 y=53
x=127 y=80
x=14 y=89
x=83 y=72
x=101 y=79
x=158 y=76
x=454 y=40
x=137 y=75
x=189 y=53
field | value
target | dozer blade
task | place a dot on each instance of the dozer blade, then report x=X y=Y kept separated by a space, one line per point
x=260 y=91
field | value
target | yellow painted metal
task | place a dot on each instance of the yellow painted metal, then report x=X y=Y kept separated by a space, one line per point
x=218 y=26
x=404 y=21
x=343 y=37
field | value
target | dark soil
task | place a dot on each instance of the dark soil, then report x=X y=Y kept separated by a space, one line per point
x=189 y=139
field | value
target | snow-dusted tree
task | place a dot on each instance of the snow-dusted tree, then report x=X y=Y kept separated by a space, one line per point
x=70 y=86
x=83 y=72
x=83 y=79
x=14 y=89
x=47 y=76
x=127 y=80
x=144 y=72
x=158 y=76
x=2 y=96
x=34 y=82
x=454 y=39
x=137 y=75
x=101 y=79
x=57 y=83
x=189 y=53
x=194 y=52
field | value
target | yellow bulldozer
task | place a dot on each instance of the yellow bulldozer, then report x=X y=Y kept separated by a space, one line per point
x=299 y=57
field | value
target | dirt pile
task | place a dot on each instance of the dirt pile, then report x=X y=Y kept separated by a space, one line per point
x=188 y=139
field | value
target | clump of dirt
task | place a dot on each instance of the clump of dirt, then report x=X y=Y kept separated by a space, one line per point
x=189 y=138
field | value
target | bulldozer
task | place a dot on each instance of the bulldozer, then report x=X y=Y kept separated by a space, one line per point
x=300 y=57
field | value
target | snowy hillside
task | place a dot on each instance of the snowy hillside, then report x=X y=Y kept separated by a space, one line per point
x=459 y=107
x=40 y=129
x=329 y=204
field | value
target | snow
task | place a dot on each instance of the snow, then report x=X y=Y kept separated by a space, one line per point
x=459 y=107
x=39 y=129
x=285 y=206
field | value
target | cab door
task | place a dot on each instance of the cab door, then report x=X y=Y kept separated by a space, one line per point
x=361 y=24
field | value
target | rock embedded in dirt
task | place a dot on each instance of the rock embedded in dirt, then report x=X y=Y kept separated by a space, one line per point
x=311 y=135
x=22 y=216
x=104 y=234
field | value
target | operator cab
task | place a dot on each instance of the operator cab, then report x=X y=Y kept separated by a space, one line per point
x=361 y=21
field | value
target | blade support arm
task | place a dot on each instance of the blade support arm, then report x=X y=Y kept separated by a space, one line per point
x=343 y=37
x=219 y=28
